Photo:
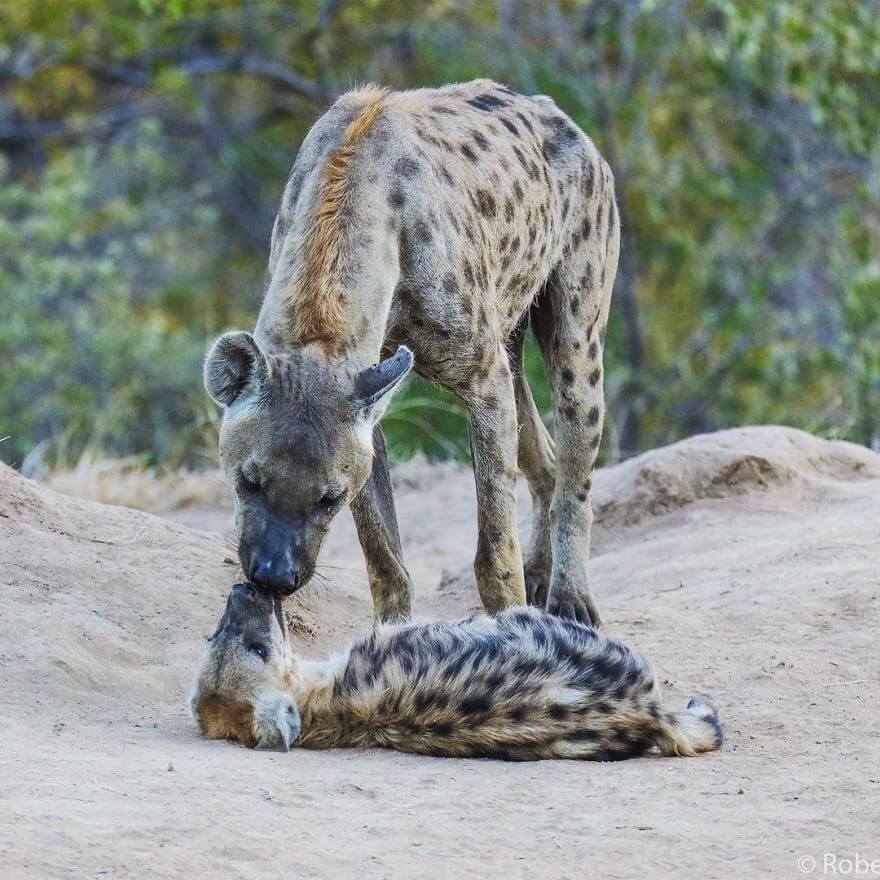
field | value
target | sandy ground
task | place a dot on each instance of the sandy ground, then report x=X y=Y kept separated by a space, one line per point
x=743 y=563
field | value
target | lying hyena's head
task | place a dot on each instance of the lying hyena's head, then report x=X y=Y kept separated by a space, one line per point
x=296 y=445
x=242 y=689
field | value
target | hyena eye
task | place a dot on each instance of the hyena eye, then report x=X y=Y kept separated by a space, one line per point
x=331 y=499
x=259 y=649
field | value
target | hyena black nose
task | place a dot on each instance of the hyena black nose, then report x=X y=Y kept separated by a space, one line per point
x=281 y=577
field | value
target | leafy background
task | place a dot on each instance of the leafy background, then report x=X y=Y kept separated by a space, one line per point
x=144 y=147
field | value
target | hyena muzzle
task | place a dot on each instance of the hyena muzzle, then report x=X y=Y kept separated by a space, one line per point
x=522 y=685
x=440 y=223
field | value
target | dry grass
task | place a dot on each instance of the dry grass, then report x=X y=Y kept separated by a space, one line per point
x=128 y=483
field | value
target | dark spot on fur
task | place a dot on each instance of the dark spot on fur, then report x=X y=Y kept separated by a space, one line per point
x=593 y=416
x=396 y=198
x=551 y=149
x=422 y=232
x=468 y=153
x=585 y=734
x=508 y=210
x=518 y=191
x=439 y=108
x=593 y=350
x=574 y=305
x=586 y=229
x=480 y=140
x=517 y=714
x=590 y=180
x=485 y=203
x=510 y=127
x=447 y=177
x=525 y=121
x=569 y=412
x=406 y=166
x=595 y=376
x=487 y=102
x=568 y=377
x=557 y=711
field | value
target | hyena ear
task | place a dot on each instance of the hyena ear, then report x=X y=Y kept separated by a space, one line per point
x=276 y=721
x=235 y=364
x=374 y=387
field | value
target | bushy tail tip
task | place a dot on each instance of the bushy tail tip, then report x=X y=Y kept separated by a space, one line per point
x=696 y=729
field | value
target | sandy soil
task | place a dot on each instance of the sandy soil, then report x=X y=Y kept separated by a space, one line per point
x=743 y=563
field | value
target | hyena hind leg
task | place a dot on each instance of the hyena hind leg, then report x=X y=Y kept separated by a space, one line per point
x=537 y=461
x=569 y=320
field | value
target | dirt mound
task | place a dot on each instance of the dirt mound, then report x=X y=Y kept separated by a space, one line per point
x=722 y=464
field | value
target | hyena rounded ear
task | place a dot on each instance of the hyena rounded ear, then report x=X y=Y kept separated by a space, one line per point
x=374 y=386
x=234 y=364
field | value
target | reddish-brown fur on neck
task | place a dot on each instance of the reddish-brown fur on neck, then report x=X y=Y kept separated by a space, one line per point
x=319 y=315
x=221 y=718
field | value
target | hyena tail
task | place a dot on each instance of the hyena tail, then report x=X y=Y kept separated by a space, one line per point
x=696 y=729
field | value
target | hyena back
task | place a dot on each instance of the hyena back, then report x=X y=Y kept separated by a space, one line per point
x=523 y=685
x=444 y=220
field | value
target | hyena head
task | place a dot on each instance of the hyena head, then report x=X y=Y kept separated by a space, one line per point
x=242 y=689
x=296 y=445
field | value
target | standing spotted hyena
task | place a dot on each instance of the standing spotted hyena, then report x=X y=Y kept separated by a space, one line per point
x=443 y=221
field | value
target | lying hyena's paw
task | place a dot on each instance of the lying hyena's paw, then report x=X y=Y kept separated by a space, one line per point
x=276 y=721
x=574 y=604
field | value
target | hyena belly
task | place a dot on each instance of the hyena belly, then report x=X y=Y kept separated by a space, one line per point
x=523 y=686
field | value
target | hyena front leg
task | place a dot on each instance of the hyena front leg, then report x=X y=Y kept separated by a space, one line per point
x=537 y=461
x=493 y=436
x=376 y=522
x=570 y=323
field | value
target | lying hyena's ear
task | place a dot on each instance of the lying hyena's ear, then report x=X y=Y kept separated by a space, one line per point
x=235 y=364
x=276 y=721
x=375 y=386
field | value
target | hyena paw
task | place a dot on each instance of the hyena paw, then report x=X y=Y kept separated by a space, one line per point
x=537 y=586
x=574 y=604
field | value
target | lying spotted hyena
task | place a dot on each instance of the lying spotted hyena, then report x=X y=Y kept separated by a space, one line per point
x=522 y=685
x=447 y=220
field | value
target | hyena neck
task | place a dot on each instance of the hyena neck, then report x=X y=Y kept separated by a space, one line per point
x=334 y=271
x=356 y=335
x=313 y=683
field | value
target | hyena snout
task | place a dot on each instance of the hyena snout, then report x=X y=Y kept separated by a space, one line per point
x=279 y=575
x=276 y=558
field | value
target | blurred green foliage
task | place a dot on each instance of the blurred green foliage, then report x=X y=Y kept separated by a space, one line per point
x=145 y=145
